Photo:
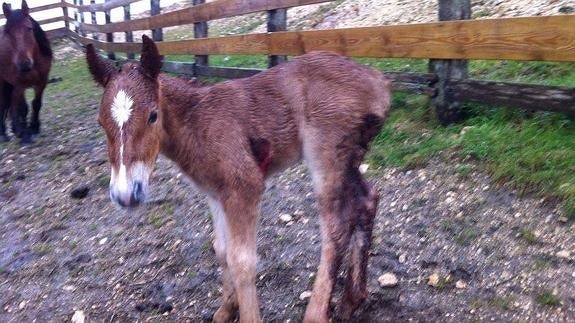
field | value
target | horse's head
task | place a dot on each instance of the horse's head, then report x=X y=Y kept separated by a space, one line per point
x=129 y=115
x=19 y=29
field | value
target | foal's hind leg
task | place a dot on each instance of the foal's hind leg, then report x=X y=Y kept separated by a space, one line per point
x=327 y=170
x=36 y=105
x=364 y=204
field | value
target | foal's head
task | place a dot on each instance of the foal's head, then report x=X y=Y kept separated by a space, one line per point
x=129 y=115
x=19 y=30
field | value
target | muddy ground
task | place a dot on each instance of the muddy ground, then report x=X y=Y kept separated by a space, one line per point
x=497 y=256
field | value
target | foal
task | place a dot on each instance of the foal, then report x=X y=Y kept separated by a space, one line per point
x=228 y=138
x=25 y=62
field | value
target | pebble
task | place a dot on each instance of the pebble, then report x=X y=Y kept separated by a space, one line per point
x=103 y=240
x=563 y=254
x=305 y=295
x=78 y=317
x=387 y=280
x=363 y=168
x=433 y=280
x=460 y=284
x=286 y=218
x=402 y=258
x=563 y=219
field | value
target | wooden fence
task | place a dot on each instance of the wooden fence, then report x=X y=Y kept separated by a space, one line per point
x=448 y=45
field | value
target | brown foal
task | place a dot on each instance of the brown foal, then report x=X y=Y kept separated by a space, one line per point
x=229 y=137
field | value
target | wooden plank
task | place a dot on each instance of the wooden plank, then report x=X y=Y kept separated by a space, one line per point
x=533 y=97
x=52 y=20
x=57 y=33
x=103 y=6
x=549 y=38
x=205 y=12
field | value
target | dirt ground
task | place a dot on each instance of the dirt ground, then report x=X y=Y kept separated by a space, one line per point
x=65 y=249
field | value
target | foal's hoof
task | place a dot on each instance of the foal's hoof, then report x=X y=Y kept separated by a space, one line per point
x=224 y=314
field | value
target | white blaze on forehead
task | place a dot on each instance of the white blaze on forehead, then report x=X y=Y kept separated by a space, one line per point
x=122 y=108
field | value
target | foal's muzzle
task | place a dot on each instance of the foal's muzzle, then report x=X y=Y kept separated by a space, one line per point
x=135 y=198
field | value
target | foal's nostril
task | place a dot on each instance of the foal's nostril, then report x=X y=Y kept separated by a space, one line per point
x=138 y=192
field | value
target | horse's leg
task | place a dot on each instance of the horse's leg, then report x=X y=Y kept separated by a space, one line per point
x=36 y=105
x=363 y=207
x=5 y=96
x=18 y=114
x=327 y=169
x=241 y=203
x=229 y=304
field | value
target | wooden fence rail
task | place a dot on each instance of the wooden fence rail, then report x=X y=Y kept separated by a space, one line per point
x=546 y=38
x=200 y=13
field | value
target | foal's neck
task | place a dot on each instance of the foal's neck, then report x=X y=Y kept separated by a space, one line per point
x=177 y=101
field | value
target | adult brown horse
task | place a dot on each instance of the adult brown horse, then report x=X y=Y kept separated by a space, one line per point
x=26 y=59
x=230 y=137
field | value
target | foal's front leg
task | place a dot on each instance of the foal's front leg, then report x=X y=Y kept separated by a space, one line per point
x=241 y=210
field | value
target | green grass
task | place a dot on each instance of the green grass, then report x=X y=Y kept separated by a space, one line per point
x=529 y=151
x=528 y=236
x=547 y=298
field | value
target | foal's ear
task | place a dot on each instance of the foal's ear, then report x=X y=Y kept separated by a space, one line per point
x=101 y=70
x=151 y=61
x=24 y=8
x=6 y=9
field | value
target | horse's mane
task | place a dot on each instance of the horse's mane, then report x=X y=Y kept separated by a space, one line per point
x=41 y=39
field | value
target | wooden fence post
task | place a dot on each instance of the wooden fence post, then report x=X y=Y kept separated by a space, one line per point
x=65 y=13
x=157 y=34
x=93 y=19
x=129 y=35
x=81 y=2
x=277 y=21
x=448 y=110
x=76 y=18
x=109 y=36
x=201 y=31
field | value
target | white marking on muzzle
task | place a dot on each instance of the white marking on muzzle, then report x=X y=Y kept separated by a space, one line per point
x=122 y=181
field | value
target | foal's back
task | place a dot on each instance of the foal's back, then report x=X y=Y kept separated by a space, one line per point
x=320 y=96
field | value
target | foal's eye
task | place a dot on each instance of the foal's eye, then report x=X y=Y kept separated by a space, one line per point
x=153 y=117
